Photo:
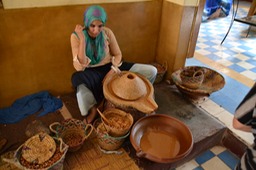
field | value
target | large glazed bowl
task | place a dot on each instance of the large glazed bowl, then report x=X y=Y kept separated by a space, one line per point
x=161 y=138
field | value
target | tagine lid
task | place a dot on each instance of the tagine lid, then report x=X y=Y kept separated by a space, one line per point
x=128 y=89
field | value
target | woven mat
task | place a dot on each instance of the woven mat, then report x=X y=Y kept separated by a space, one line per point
x=91 y=157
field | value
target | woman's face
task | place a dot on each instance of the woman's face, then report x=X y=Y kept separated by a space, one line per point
x=95 y=28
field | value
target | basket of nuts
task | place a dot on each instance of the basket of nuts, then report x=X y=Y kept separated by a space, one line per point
x=73 y=132
x=105 y=140
x=119 y=122
x=41 y=151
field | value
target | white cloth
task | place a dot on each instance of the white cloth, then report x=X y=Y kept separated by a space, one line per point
x=85 y=99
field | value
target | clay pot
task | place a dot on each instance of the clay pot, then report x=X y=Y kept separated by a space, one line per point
x=213 y=81
x=127 y=89
x=161 y=138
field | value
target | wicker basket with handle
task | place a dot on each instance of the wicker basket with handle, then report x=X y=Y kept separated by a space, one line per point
x=192 y=77
x=119 y=122
x=161 y=70
x=106 y=141
x=73 y=132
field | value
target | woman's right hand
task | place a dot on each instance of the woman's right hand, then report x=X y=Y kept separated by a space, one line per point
x=111 y=71
x=79 y=31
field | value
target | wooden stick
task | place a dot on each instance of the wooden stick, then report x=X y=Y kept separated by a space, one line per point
x=103 y=116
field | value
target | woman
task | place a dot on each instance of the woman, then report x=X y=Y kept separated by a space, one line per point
x=96 y=54
x=245 y=120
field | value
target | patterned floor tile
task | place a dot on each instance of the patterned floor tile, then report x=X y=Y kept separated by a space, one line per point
x=217 y=157
x=228 y=158
x=236 y=49
x=217 y=149
x=215 y=163
x=204 y=157
x=188 y=166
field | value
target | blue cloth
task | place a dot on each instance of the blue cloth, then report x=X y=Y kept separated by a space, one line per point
x=28 y=105
x=212 y=5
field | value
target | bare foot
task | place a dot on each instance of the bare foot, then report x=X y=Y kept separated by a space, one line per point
x=91 y=116
x=216 y=14
x=101 y=105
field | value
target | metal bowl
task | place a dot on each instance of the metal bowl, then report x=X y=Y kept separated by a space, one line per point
x=161 y=138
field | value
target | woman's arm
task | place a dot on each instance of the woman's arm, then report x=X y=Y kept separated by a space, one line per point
x=244 y=113
x=239 y=126
x=114 y=48
x=80 y=60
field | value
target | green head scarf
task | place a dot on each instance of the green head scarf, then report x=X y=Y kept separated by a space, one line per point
x=95 y=47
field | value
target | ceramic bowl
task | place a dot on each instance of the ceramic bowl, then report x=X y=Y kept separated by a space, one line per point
x=161 y=138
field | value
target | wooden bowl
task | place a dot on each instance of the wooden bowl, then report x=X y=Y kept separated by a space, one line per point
x=212 y=82
x=161 y=138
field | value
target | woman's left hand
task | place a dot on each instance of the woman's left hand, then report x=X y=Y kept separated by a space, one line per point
x=79 y=31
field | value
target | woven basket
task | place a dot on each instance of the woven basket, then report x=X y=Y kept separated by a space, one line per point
x=192 y=77
x=120 y=122
x=55 y=162
x=73 y=132
x=39 y=148
x=161 y=70
x=213 y=81
x=135 y=113
x=105 y=141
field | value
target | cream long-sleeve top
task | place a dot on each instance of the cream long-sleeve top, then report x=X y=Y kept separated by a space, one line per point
x=112 y=51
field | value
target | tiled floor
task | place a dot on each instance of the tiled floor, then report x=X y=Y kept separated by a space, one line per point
x=235 y=59
x=217 y=157
x=238 y=51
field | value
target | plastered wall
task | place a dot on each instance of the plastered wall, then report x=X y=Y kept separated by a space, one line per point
x=178 y=33
x=35 y=51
